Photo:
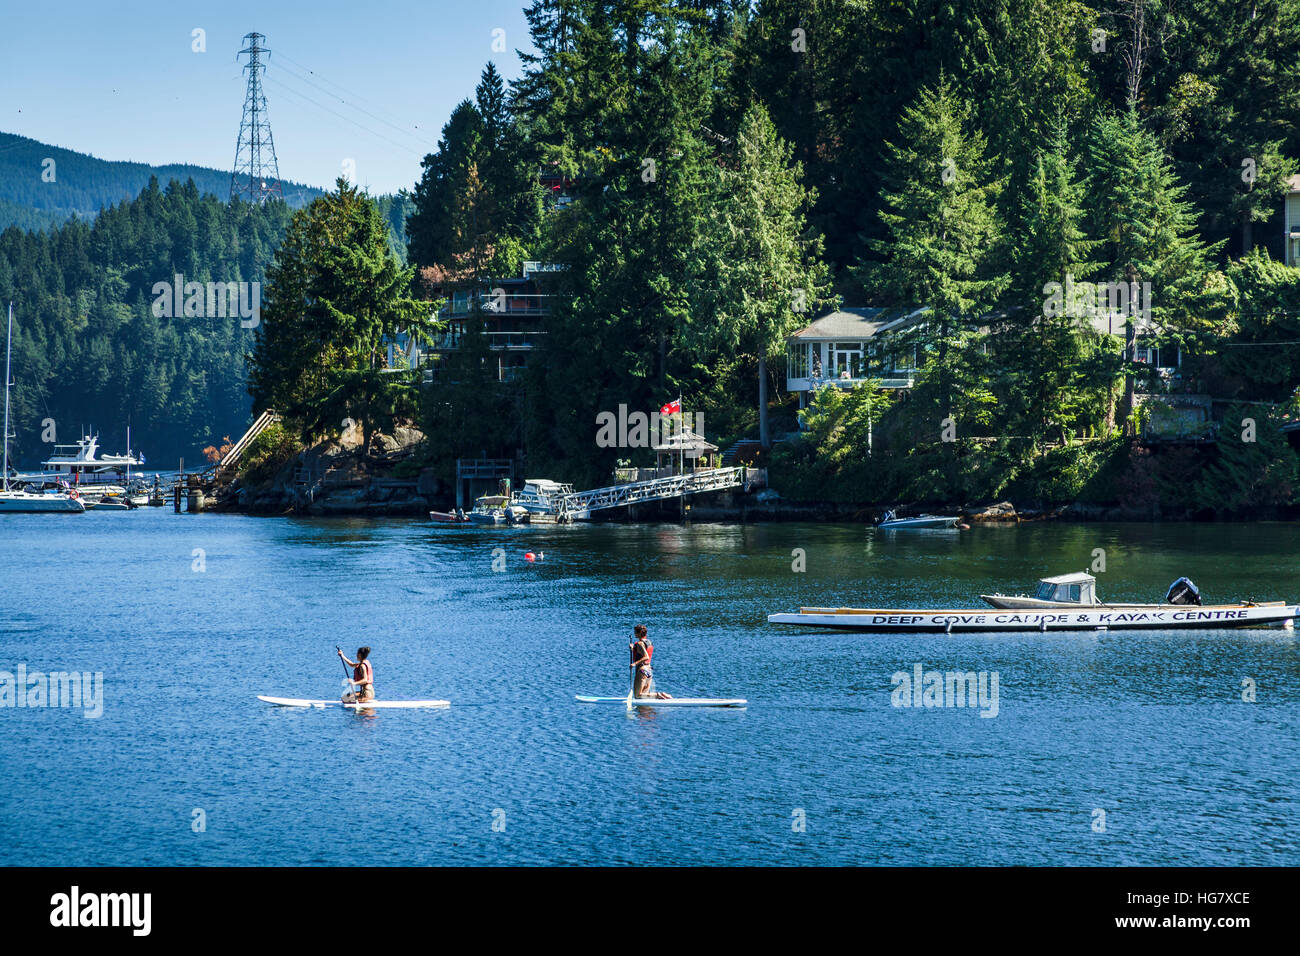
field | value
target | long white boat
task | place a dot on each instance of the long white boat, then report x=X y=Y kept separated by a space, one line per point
x=1097 y=618
x=12 y=500
x=83 y=463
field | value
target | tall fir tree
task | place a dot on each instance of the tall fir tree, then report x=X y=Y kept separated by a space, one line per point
x=940 y=209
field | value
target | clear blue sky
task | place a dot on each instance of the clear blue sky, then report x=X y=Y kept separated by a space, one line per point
x=119 y=80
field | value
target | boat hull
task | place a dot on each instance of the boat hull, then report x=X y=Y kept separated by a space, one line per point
x=446 y=517
x=881 y=620
x=19 y=503
x=924 y=521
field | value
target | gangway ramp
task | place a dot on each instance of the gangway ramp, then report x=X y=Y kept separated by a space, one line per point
x=656 y=489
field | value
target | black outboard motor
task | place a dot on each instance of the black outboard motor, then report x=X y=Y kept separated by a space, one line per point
x=1183 y=591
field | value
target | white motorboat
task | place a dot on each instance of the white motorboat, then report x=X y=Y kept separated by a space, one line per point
x=83 y=463
x=497 y=509
x=542 y=496
x=891 y=522
x=110 y=503
x=16 y=500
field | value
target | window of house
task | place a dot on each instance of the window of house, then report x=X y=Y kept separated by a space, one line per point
x=797 y=361
x=1157 y=356
x=846 y=360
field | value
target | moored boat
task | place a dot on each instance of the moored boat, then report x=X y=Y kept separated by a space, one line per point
x=1067 y=602
x=497 y=509
x=891 y=522
x=914 y=620
x=83 y=463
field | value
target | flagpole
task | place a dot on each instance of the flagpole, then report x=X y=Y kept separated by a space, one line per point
x=681 y=449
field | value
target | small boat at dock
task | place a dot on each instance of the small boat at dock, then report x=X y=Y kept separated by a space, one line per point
x=497 y=509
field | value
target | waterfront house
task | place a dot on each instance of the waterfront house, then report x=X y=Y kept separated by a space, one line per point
x=513 y=313
x=1291 y=222
x=849 y=346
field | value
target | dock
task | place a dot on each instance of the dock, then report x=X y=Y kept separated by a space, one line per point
x=566 y=507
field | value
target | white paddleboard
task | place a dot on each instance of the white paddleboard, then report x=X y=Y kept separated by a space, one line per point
x=672 y=702
x=363 y=705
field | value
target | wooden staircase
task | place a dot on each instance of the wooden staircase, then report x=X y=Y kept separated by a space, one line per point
x=231 y=458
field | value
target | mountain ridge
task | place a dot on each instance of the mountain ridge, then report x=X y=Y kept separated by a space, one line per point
x=36 y=195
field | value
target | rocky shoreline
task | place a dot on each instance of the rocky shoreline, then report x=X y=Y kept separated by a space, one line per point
x=348 y=477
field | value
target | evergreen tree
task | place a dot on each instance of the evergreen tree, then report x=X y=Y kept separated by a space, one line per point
x=939 y=207
x=1148 y=233
x=767 y=277
x=1056 y=364
x=335 y=295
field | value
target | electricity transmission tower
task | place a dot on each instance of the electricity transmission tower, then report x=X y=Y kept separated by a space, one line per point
x=256 y=176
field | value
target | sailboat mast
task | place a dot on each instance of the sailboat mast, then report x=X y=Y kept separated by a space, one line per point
x=9 y=348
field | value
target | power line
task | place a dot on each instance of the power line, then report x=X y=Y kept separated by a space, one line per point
x=288 y=89
x=353 y=104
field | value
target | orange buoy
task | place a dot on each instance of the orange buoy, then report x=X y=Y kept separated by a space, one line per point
x=529 y=556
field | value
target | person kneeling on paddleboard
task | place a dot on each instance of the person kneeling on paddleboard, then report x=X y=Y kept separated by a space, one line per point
x=363 y=677
x=643 y=678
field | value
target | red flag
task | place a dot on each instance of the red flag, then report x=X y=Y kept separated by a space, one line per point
x=672 y=408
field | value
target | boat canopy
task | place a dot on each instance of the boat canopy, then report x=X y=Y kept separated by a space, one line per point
x=1079 y=588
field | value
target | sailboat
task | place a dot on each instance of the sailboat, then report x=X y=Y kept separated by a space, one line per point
x=15 y=499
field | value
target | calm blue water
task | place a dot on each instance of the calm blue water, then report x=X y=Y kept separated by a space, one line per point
x=1149 y=727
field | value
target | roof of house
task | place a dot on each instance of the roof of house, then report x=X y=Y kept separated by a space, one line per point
x=686 y=440
x=856 y=323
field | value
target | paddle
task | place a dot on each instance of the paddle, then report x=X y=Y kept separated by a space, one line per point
x=632 y=689
x=344 y=663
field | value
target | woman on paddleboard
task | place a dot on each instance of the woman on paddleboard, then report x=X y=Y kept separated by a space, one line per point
x=643 y=678
x=363 y=677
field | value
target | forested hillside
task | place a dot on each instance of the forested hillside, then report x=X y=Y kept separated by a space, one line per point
x=88 y=349
x=35 y=193
x=735 y=168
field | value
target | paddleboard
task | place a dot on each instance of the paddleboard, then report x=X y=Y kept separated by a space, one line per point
x=363 y=705
x=673 y=702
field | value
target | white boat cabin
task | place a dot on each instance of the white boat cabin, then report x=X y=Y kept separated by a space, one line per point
x=83 y=459
x=1078 y=588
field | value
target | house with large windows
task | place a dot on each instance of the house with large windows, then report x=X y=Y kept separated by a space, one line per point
x=513 y=313
x=849 y=346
